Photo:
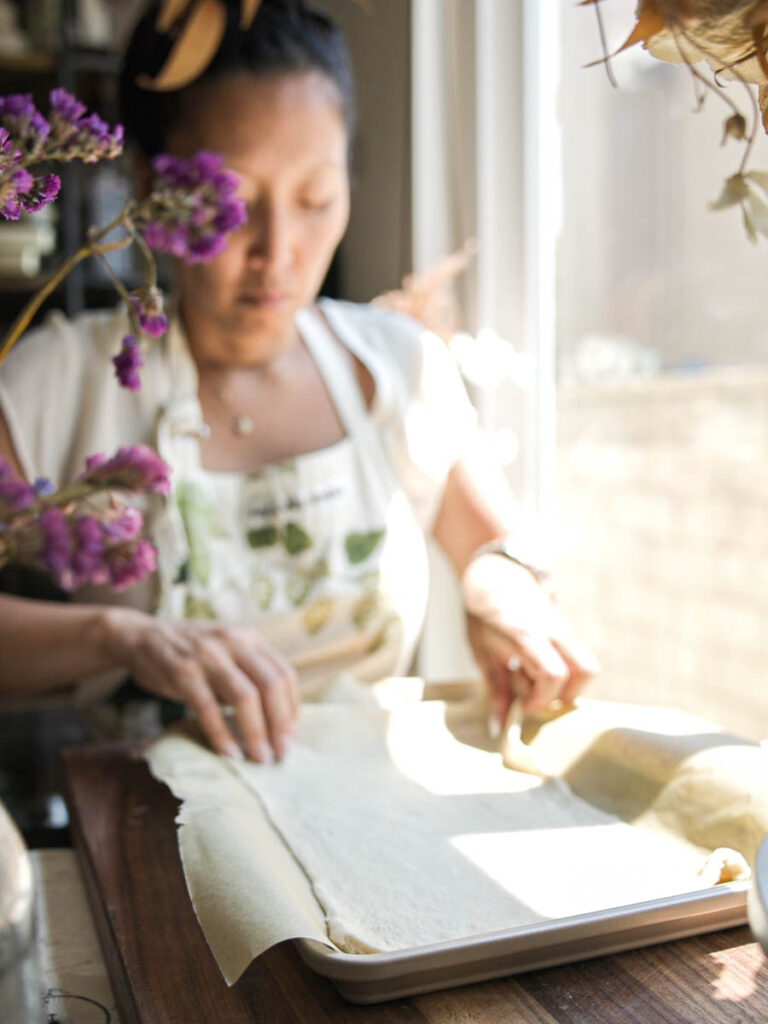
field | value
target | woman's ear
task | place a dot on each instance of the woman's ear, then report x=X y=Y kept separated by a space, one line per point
x=140 y=172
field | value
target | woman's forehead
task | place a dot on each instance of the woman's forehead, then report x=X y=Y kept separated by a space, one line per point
x=244 y=115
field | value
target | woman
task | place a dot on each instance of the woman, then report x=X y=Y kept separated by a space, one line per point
x=313 y=444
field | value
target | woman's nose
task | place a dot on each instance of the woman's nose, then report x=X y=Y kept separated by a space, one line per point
x=272 y=244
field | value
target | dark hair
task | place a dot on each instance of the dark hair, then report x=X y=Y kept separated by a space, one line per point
x=285 y=36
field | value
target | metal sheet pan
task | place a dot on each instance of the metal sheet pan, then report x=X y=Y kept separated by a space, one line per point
x=377 y=977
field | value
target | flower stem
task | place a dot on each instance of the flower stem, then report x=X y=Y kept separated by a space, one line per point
x=90 y=248
x=122 y=291
x=149 y=260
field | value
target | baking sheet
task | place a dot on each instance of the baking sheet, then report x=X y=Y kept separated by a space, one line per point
x=683 y=770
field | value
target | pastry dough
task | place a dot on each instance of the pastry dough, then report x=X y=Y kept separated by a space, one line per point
x=394 y=826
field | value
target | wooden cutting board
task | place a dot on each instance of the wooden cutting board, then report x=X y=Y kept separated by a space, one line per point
x=163 y=973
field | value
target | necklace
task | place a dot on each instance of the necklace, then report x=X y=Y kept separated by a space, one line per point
x=240 y=424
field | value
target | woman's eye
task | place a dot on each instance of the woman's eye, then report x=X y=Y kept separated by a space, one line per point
x=316 y=204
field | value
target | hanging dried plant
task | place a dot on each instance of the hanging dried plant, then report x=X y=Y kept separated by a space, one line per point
x=731 y=36
x=428 y=295
x=198 y=27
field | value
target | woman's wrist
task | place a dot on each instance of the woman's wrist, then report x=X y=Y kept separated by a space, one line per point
x=522 y=553
x=114 y=628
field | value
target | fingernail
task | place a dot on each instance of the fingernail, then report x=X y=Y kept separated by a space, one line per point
x=234 y=752
x=282 y=746
x=514 y=663
x=494 y=726
x=264 y=753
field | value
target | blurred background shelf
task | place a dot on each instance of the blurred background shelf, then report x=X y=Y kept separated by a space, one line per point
x=74 y=45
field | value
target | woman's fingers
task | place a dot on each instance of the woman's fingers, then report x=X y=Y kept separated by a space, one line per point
x=197 y=694
x=527 y=665
x=273 y=683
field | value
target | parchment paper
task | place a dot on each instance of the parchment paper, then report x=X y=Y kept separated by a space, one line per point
x=393 y=823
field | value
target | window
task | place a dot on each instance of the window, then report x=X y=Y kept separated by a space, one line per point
x=662 y=386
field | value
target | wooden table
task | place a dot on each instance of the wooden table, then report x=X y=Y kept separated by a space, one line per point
x=163 y=972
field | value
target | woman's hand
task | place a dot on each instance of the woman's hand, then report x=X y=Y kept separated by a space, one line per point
x=208 y=664
x=524 y=647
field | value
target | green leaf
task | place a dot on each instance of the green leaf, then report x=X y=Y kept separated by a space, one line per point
x=295 y=539
x=264 y=537
x=182 y=575
x=360 y=546
x=197 y=608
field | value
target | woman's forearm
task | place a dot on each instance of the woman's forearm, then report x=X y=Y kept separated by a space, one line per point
x=44 y=645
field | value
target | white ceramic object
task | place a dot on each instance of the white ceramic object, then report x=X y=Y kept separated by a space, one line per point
x=757 y=901
x=20 y=995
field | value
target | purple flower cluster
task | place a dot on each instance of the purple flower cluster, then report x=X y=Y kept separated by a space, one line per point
x=135 y=467
x=192 y=207
x=75 y=135
x=20 y=191
x=127 y=363
x=15 y=493
x=87 y=549
x=26 y=137
x=148 y=305
x=49 y=531
x=26 y=125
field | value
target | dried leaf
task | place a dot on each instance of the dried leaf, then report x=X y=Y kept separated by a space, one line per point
x=193 y=50
x=757 y=15
x=735 y=127
x=735 y=191
x=427 y=295
x=170 y=12
x=758 y=36
x=760 y=178
x=758 y=213
x=748 y=225
x=649 y=23
x=248 y=10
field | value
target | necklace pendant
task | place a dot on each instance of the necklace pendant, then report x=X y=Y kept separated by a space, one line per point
x=242 y=426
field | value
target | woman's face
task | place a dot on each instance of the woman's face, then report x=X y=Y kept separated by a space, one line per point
x=284 y=134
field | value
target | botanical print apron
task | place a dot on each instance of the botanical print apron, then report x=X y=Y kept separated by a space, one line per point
x=321 y=552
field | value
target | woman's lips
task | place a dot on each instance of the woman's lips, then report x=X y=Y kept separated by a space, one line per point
x=265 y=299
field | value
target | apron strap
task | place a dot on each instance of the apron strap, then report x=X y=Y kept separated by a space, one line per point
x=336 y=371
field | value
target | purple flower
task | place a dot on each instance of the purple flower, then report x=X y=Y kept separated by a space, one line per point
x=89 y=552
x=65 y=106
x=148 y=305
x=89 y=549
x=191 y=208
x=126 y=526
x=15 y=493
x=21 y=192
x=57 y=543
x=9 y=157
x=13 y=188
x=95 y=461
x=43 y=191
x=74 y=135
x=130 y=562
x=136 y=467
x=127 y=363
x=42 y=487
x=94 y=141
x=26 y=125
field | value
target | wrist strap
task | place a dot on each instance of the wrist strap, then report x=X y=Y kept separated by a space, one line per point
x=516 y=551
